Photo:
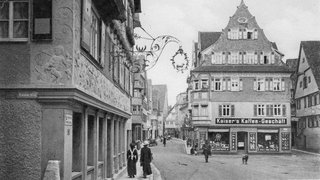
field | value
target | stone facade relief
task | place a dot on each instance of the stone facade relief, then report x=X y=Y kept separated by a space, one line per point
x=93 y=82
x=53 y=66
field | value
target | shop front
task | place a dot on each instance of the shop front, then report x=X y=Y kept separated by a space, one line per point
x=247 y=136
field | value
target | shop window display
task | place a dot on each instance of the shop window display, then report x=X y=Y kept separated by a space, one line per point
x=219 y=141
x=268 y=142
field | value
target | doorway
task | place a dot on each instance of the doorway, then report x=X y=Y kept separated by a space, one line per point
x=242 y=139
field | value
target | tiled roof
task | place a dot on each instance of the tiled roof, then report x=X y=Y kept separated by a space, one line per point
x=312 y=52
x=244 y=68
x=206 y=39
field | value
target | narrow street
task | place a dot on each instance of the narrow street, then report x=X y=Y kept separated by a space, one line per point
x=175 y=164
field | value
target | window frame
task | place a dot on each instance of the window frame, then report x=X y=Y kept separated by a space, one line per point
x=11 y=22
x=215 y=82
x=261 y=110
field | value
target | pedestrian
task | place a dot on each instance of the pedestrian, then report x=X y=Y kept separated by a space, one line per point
x=164 y=141
x=206 y=150
x=132 y=158
x=145 y=159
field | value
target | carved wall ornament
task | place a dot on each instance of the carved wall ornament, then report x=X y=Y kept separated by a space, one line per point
x=53 y=66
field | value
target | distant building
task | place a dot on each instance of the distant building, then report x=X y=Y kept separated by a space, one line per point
x=307 y=96
x=140 y=106
x=160 y=105
x=240 y=97
x=292 y=64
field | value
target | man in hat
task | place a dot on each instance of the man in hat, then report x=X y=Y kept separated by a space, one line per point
x=145 y=159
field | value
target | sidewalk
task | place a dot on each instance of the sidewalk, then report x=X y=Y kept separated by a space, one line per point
x=154 y=176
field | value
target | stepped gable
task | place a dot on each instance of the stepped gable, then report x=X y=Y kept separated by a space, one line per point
x=226 y=45
x=312 y=52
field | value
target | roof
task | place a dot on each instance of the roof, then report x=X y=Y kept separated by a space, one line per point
x=292 y=63
x=244 y=68
x=312 y=52
x=206 y=39
x=160 y=92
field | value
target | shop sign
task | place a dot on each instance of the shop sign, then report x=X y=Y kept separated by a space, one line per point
x=285 y=141
x=251 y=121
x=27 y=95
x=252 y=140
x=68 y=120
x=233 y=141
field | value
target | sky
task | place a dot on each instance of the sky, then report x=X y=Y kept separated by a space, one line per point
x=286 y=22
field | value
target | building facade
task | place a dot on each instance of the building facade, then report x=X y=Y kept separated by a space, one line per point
x=307 y=96
x=160 y=106
x=65 y=87
x=140 y=107
x=240 y=93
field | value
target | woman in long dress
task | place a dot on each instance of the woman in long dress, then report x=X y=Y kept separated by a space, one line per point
x=132 y=156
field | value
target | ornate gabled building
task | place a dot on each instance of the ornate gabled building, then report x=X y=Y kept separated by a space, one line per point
x=240 y=97
x=307 y=96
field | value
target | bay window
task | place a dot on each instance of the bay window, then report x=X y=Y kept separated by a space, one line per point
x=14 y=21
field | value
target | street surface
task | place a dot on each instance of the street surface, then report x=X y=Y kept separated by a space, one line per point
x=175 y=164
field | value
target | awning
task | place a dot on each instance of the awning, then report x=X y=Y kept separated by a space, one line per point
x=268 y=130
x=218 y=130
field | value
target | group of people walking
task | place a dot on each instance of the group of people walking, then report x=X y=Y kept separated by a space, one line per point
x=145 y=160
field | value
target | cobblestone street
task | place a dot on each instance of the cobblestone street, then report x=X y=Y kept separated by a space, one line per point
x=175 y=164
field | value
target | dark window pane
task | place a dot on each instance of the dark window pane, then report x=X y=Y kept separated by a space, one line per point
x=4 y=29
x=4 y=11
x=20 y=10
x=20 y=29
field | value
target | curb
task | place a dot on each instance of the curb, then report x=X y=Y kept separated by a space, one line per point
x=156 y=174
x=306 y=152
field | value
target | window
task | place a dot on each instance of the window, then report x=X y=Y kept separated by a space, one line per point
x=305 y=102
x=204 y=84
x=277 y=110
x=255 y=34
x=226 y=110
x=234 y=34
x=204 y=110
x=309 y=79
x=195 y=111
x=266 y=59
x=249 y=35
x=218 y=58
x=94 y=42
x=217 y=84
x=196 y=84
x=268 y=141
x=234 y=58
x=195 y=95
x=276 y=84
x=298 y=103
x=235 y=84
x=260 y=84
x=14 y=21
x=305 y=84
x=300 y=84
x=261 y=109
x=249 y=58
